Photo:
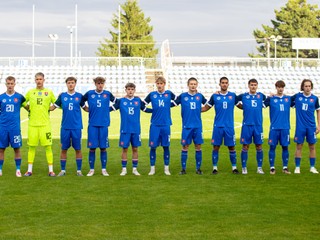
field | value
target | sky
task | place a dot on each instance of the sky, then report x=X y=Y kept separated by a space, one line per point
x=204 y=28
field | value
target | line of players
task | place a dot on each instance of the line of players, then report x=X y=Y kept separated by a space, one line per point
x=40 y=101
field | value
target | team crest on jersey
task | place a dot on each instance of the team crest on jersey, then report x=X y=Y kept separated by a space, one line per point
x=154 y=95
x=4 y=100
x=93 y=96
x=104 y=95
x=270 y=140
x=77 y=99
x=258 y=95
x=300 y=98
x=125 y=103
x=230 y=97
x=311 y=100
x=276 y=100
x=247 y=96
x=218 y=98
x=166 y=95
x=39 y=93
x=183 y=141
x=186 y=98
x=121 y=143
x=212 y=141
x=136 y=103
x=15 y=100
x=197 y=98
x=65 y=99
x=46 y=93
x=286 y=99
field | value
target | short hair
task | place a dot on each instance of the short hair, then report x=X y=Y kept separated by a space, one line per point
x=99 y=80
x=71 y=79
x=280 y=83
x=223 y=78
x=302 y=84
x=130 y=85
x=11 y=78
x=192 y=79
x=252 y=80
x=161 y=79
x=39 y=74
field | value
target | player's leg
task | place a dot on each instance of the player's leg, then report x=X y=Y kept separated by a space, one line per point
x=299 y=136
x=65 y=137
x=92 y=144
x=284 y=142
x=154 y=136
x=258 y=140
x=1 y=159
x=198 y=140
x=216 y=141
x=76 y=136
x=14 y=137
x=46 y=141
x=135 y=143
x=33 y=141
x=17 y=158
x=245 y=140
x=124 y=161
x=104 y=144
x=185 y=143
x=135 y=161
x=165 y=142
x=230 y=142
x=272 y=141
x=312 y=139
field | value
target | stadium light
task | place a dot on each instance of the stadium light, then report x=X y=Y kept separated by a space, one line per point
x=71 y=42
x=275 y=39
x=54 y=37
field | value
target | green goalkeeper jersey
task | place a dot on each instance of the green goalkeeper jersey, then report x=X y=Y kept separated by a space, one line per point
x=39 y=103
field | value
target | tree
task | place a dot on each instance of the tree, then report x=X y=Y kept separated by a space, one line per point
x=296 y=19
x=135 y=37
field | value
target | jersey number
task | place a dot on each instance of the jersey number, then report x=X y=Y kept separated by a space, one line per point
x=254 y=103
x=304 y=107
x=98 y=103
x=225 y=105
x=70 y=107
x=10 y=108
x=192 y=105
x=39 y=101
x=131 y=110
x=281 y=107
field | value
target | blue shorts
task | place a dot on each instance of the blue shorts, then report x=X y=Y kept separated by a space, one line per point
x=70 y=136
x=98 y=137
x=226 y=133
x=127 y=138
x=308 y=133
x=12 y=137
x=189 y=134
x=279 y=135
x=251 y=131
x=159 y=136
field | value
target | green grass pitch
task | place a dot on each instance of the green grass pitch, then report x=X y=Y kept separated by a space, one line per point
x=224 y=206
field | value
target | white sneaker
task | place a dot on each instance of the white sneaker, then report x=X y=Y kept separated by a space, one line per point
x=0 y=173
x=104 y=173
x=260 y=170
x=297 y=170
x=166 y=170
x=135 y=172
x=152 y=171
x=314 y=170
x=123 y=172
x=90 y=173
x=18 y=173
x=244 y=171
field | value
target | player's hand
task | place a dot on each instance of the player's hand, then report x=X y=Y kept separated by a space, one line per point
x=318 y=130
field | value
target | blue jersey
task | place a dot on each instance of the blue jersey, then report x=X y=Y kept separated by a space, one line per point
x=99 y=103
x=191 y=109
x=224 y=108
x=71 y=110
x=161 y=104
x=130 y=114
x=279 y=111
x=252 y=105
x=10 y=110
x=305 y=107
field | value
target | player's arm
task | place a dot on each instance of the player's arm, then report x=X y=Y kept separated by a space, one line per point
x=173 y=99
x=84 y=100
x=115 y=106
x=208 y=104
x=57 y=104
x=318 y=115
x=144 y=108
x=239 y=100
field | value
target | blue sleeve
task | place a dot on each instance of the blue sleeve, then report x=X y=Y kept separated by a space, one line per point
x=82 y=101
x=317 y=103
x=173 y=96
x=267 y=102
x=144 y=108
x=293 y=100
x=147 y=99
x=58 y=102
x=239 y=97
x=204 y=100
x=178 y=100
x=85 y=96
x=112 y=98
x=116 y=105
x=210 y=103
